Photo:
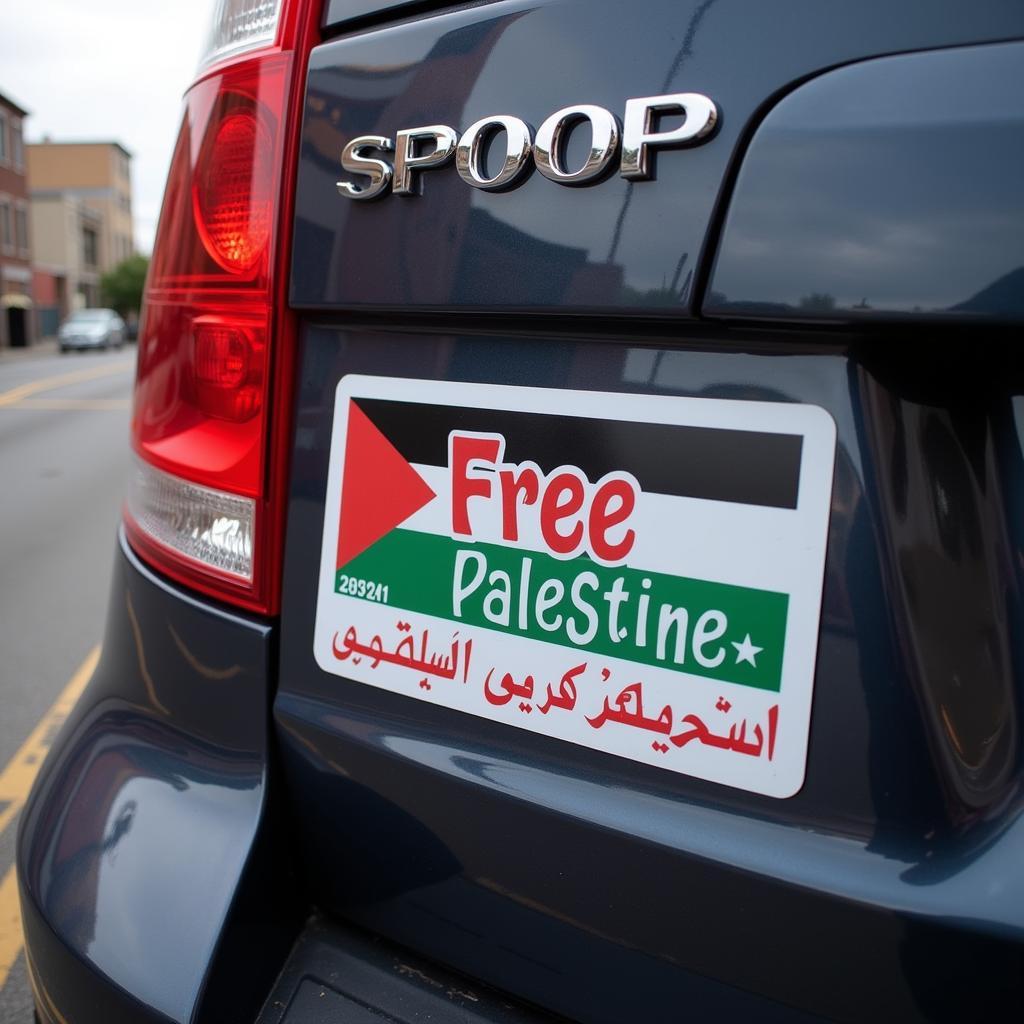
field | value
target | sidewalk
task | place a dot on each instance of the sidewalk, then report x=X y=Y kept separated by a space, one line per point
x=43 y=347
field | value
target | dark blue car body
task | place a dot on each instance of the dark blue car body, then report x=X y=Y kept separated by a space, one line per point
x=224 y=831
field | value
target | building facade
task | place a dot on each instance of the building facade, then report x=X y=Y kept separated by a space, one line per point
x=16 y=294
x=81 y=197
x=66 y=235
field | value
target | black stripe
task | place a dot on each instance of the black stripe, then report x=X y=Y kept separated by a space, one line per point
x=744 y=466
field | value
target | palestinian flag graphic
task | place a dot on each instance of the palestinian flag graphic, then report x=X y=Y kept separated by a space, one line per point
x=637 y=574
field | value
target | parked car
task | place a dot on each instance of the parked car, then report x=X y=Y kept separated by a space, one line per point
x=91 y=328
x=572 y=563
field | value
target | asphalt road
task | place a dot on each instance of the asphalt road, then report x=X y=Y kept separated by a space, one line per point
x=63 y=466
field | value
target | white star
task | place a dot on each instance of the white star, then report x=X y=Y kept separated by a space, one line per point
x=746 y=651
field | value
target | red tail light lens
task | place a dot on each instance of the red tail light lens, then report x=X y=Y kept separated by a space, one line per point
x=205 y=503
x=228 y=364
x=222 y=354
x=234 y=203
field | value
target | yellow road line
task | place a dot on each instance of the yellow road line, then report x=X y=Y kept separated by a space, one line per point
x=33 y=387
x=15 y=782
x=10 y=924
x=70 y=404
x=16 y=778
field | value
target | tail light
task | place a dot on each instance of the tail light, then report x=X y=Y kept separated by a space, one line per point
x=205 y=501
x=234 y=202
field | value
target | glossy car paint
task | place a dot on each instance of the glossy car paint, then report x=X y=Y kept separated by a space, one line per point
x=343 y=12
x=541 y=246
x=888 y=187
x=888 y=888
x=142 y=824
x=605 y=890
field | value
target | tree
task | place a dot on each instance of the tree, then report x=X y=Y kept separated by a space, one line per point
x=122 y=286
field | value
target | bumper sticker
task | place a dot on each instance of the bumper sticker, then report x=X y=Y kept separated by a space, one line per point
x=637 y=574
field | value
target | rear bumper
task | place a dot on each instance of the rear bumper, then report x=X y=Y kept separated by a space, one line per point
x=144 y=822
x=152 y=890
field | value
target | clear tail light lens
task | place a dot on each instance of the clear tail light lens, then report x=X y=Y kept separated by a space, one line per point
x=206 y=526
x=239 y=25
x=206 y=500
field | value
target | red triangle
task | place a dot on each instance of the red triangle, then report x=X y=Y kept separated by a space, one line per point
x=379 y=490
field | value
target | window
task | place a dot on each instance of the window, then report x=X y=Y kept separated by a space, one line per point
x=3 y=138
x=90 y=247
x=6 y=233
x=21 y=228
x=17 y=146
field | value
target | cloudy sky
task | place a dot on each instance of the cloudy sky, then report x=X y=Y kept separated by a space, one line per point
x=106 y=69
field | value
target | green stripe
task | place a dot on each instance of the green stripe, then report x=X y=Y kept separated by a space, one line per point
x=418 y=570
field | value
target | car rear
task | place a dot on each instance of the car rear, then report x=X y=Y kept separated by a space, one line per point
x=580 y=578
x=91 y=328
